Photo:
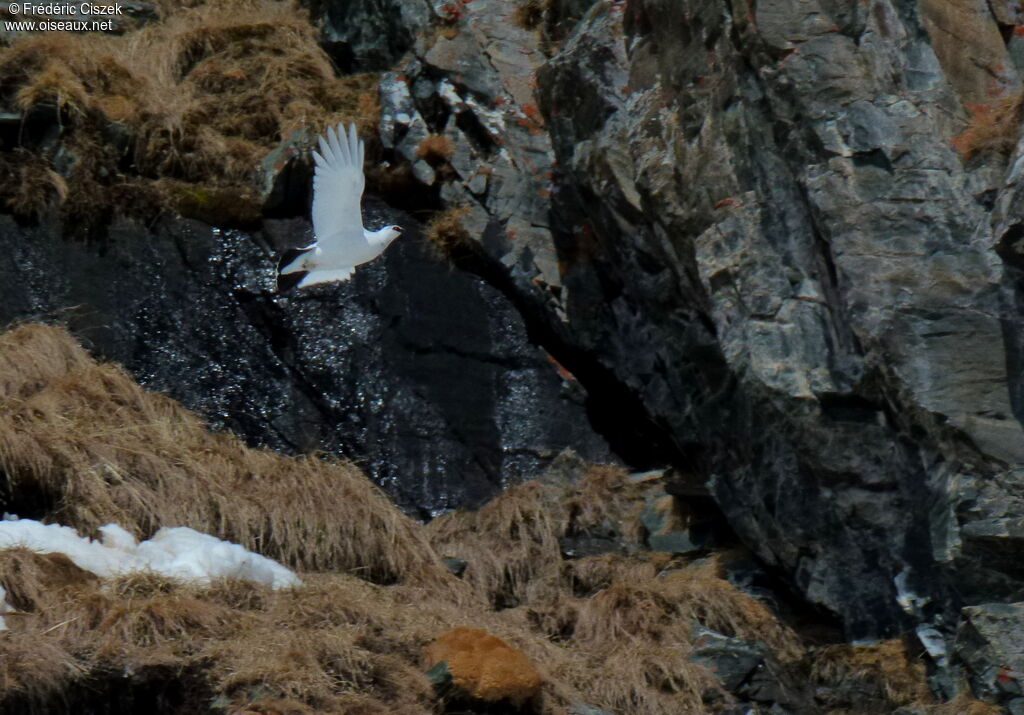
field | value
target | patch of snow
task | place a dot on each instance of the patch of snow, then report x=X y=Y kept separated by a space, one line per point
x=178 y=552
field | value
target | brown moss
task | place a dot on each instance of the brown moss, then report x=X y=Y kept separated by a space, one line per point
x=203 y=95
x=484 y=666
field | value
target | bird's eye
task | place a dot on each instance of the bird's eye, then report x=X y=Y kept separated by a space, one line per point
x=396 y=228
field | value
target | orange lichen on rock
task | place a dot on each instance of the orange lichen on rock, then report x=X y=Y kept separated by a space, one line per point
x=484 y=666
x=994 y=127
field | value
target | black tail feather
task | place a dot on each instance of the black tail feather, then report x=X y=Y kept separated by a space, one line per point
x=288 y=281
x=290 y=255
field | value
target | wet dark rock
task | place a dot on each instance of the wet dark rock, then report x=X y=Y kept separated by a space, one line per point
x=755 y=682
x=743 y=232
x=422 y=375
x=287 y=172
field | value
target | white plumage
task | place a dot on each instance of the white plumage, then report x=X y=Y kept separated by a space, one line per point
x=341 y=243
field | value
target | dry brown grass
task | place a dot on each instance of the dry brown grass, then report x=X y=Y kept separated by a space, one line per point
x=29 y=187
x=870 y=678
x=994 y=127
x=624 y=624
x=445 y=232
x=89 y=441
x=312 y=645
x=616 y=630
x=204 y=93
x=435 y=148
x=529 y=14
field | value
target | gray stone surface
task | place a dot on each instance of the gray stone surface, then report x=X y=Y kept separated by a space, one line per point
x=762 y=232
x=766 y=233
x=732 y=660
x=369 y=35
x=743 y=228
x=989 y=644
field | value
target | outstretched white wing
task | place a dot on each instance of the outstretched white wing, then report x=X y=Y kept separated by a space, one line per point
x=337 y=190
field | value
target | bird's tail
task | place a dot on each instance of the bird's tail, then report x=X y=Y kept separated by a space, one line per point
x=289 y=262
x=319 y=276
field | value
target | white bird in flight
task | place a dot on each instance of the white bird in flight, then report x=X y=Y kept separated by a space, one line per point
x=340 y=241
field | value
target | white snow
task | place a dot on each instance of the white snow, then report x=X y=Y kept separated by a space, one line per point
x=177 y=552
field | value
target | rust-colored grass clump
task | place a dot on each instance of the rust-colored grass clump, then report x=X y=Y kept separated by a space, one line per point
x=484 y=666
x=435 y=148
x=994 y=127
x=200 y=95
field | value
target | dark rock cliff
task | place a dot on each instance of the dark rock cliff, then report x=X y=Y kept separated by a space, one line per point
x=422 y=375
x=772 y=224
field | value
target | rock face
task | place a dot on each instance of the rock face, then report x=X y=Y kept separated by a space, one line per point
x=759 y=228
x=988 y=642
x=369 y=35
x=422 y=375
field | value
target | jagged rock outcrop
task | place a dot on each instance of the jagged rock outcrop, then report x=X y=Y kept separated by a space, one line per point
x=765 y=233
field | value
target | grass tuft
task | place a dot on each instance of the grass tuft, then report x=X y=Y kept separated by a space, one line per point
x=435 y=148
x=199 y=96
x=529 y=14
x=445 y=232
x=82 y=444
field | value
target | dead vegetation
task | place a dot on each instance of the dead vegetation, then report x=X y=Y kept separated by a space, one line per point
x=870 y=678
x=529 y=14
x=199 y=96
x=86 y=440
x=445 y=232
x=994 y=127
x=82 y=444
x=435 y=148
